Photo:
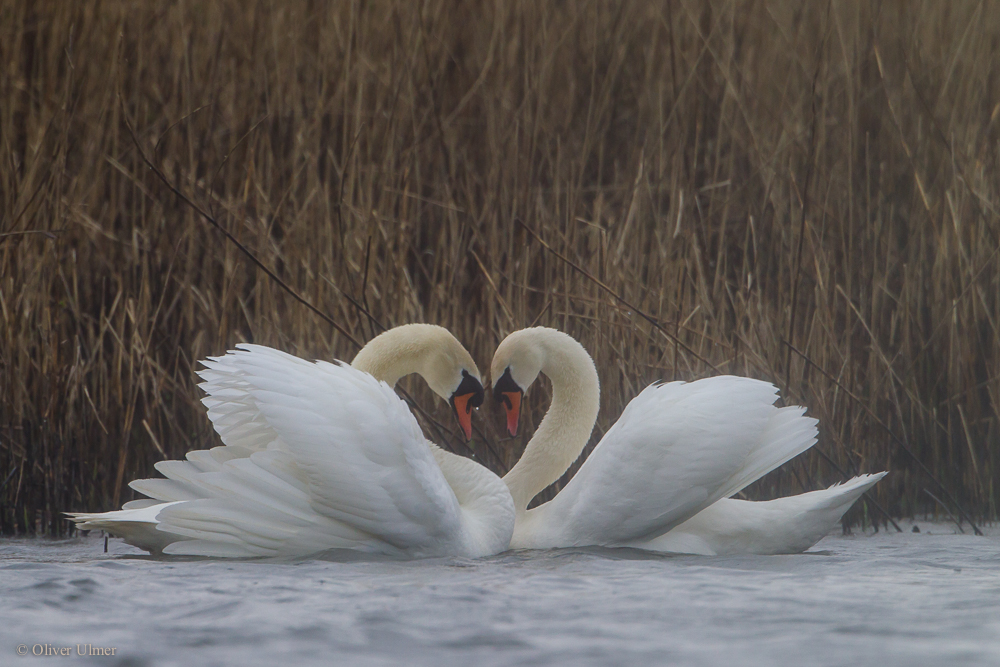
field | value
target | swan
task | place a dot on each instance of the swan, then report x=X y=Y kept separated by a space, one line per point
x=322 y=456
x=661 y=477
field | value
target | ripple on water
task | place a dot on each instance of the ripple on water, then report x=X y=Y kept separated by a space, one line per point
x=916 y=599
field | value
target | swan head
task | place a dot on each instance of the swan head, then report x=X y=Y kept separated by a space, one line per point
x=433 y=353
x=516 y=365
x=467 y=395
x=451 y=373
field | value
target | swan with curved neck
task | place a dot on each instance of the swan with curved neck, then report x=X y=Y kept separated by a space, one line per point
x=661 y=476
x=323 y=456
x=433 y=353
x=566 y=427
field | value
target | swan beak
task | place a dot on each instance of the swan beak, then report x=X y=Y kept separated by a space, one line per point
x=512 y=402
x=468 y=395
x=463 y=411
x=509 y=392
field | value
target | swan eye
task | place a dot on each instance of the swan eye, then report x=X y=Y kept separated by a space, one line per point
x=508 y=392
x=505 y=385
x=468 y=395
x=472 y=388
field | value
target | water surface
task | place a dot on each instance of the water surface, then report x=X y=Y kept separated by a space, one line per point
x=885 y=599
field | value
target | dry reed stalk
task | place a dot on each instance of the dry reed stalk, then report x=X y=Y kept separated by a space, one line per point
x=802 y=193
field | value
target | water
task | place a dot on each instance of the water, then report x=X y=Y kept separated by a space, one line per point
x=898 y=599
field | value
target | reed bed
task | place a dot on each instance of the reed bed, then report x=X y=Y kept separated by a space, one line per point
x=804 y=193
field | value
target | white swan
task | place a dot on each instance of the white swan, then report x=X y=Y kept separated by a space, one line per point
x=661 y=477
x=322 y=456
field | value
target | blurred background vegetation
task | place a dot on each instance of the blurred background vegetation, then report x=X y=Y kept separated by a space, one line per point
x=801 y=192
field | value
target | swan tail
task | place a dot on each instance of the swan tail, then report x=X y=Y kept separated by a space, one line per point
x=837 y=499
x=787 y=434
x=135 y=523
x=781 y=526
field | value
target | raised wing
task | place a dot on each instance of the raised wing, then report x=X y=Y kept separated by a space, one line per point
x=316 y=452
x=232 y=408
x=362 y=451
x=233 y=412
x=677 y=448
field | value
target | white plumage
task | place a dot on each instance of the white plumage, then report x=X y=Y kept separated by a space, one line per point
x=669 y=463
x=318 y=456
x=781 y=526
x=676 y=449
x=322 y=456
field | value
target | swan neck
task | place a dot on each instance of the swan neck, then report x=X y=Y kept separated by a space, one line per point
x=396 y=353
x=565 y=430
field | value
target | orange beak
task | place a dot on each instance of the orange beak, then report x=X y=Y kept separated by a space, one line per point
x=463 y=411
x=512 y=402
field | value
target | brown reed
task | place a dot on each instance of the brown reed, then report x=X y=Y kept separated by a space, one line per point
x=806 y=193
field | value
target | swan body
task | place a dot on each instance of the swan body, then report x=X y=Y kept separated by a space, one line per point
x=322 y=456
x=677 y=451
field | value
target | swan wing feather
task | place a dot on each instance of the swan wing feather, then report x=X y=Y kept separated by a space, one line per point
x=318 y=456
x=677 y=448
x=782 y=526
x=362 y=453
x=232 y=408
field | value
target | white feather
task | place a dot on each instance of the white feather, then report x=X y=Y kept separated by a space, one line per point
x=782 y=526
x=318 y=456
x=661 y=477
x=675 y=450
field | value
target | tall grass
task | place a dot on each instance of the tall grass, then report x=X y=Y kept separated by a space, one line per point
x=806 y=193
